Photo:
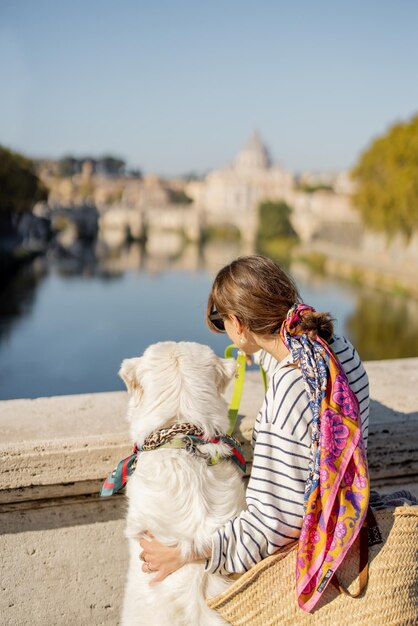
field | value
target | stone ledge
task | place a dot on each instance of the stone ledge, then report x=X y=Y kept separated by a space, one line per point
x=71 y=417
x=60 y=461
x=66 y=445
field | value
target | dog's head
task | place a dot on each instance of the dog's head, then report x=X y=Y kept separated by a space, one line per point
x=177 y=382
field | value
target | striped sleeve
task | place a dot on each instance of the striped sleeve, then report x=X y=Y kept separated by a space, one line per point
x=274 y=496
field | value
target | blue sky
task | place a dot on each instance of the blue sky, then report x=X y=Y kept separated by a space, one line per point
x=174 y=86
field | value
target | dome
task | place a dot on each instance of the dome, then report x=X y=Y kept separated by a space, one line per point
x=253 y=156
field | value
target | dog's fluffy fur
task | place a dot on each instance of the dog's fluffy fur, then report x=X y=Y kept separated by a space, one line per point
x=177 y=496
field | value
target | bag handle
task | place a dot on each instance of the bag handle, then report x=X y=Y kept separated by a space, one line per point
x=241 y=361
x=369 y=535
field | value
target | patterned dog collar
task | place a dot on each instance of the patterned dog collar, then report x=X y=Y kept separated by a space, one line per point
x=169 y=438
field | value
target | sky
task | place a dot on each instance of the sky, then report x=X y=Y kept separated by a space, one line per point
x=177 y=86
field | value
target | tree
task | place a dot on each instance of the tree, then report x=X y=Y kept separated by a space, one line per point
x=311 y=188
x=20 y=188
x=135 y=173
x=387 y=180
x=111 y=165
x=107 y=165
x=178 y=196
x=67 y=166
x=274 y=221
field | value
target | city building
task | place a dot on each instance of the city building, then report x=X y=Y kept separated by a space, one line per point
x=231 y=195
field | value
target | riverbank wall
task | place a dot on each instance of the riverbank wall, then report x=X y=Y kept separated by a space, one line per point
x=64 y=555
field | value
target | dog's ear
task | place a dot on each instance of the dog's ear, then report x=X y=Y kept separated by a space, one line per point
x=225 y=370
x=130 y=374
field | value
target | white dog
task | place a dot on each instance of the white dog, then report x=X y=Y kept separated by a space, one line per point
x=178 y=496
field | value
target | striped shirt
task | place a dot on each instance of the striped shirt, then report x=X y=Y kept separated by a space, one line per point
x=281 y=442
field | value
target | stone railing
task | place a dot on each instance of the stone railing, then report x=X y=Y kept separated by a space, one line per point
x=63 y=551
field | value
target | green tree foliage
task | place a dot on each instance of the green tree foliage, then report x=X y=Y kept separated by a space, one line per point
x=20 y=188
x=274 y=221
x=67 y=166
x=135 y=173
x=387 y=178
x=107 y=165
x=306 y=188
x=178 y=196
x=111 y=165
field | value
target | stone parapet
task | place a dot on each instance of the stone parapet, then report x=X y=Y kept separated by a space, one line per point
x=63 y=550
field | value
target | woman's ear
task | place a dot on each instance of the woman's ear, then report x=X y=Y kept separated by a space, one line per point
x=225 y=370
x=237 y=323
x=130 y=374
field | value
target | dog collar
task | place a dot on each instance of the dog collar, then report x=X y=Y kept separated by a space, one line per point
x=191 y=437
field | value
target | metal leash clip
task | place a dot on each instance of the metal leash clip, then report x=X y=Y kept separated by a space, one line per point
x=191 y=447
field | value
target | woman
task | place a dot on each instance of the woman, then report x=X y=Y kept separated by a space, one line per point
x=309 y=477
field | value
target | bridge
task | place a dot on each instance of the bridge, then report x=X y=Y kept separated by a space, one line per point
x=118 y=222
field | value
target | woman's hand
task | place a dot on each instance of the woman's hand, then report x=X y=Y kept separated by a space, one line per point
x=159 y=558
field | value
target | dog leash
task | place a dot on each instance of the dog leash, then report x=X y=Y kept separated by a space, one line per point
x=241 y=361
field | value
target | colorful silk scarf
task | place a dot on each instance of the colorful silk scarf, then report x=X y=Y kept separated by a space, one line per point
x=337 y=487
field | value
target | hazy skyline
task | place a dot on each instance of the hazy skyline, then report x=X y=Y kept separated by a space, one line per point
x=178 y=86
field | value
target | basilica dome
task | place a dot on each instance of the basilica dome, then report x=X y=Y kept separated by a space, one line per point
x=253 y=156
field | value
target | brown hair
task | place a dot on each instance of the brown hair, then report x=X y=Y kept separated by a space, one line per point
x=259 y=293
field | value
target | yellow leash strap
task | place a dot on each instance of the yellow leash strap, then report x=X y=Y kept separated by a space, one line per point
x=264 y=377
x=241 y=361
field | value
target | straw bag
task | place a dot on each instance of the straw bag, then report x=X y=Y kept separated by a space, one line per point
x=265 y=595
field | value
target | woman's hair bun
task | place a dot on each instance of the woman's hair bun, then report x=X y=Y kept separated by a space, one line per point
x=319 y=323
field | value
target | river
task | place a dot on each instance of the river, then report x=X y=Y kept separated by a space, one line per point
x=68 y=319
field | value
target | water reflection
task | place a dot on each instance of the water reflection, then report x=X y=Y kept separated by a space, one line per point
x=381 y=325
x=18 y=297
x=101 y=261
x=384 y=326
x=68 y=319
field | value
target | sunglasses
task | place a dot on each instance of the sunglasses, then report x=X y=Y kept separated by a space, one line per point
x=217 y=320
